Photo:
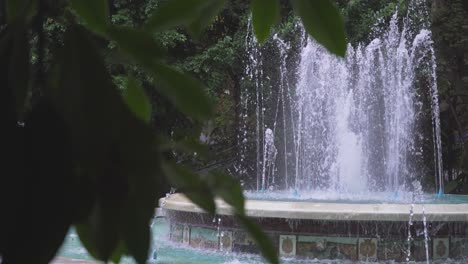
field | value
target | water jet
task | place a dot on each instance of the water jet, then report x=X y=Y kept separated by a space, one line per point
x=341 y=151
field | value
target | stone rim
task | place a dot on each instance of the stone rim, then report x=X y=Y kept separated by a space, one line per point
x=328 y=211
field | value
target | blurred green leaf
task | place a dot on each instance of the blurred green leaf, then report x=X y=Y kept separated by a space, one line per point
x=323 y=21
x=136 y=230
x=230 y=191
x=260 y=238
x=193 y=13
x=94 y=12
x=209 y=11
x=14 y=7
x=48 y=175
x=141 y=165
x=106 y=221
x=175 y=13
x=113 y=144
x=100 y=234
x=19 y=67
x=85 y=234
x=20 y=9
x=186 y=93
x=118 y=252
x=78 y=92
x=14 y=57
x=264 y=15
x=136 y=99
x=138 y=44
x=13 y=194
x=191 y=185
x=228 y=188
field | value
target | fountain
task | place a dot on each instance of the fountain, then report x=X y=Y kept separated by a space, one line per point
x=341 y=150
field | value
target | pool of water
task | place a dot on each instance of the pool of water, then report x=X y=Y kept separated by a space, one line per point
x=370 y=197
x=167 y=252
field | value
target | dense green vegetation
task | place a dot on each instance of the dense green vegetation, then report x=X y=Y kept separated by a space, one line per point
x=83 y=141
x=102 y=101
x=450 y=33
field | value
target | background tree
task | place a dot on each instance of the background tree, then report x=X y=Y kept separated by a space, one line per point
x=79 y=145
x=450 y=33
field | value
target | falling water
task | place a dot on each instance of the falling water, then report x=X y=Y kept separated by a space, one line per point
x=358 y=116
x=285 y=98
x=354 y=124
x=267 y=97
x=426 y=235
x=409 y=239
x=269 y=157
x=253 y=73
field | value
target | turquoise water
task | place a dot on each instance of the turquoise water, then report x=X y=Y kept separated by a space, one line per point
x=171 y=253
x=167 y=252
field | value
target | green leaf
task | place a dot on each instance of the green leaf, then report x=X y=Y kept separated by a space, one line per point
x=264 y=15
x=191 y=184
x=136 y=231
x=85 y=235
x=14 y=57
x=140 y=45
x=14 y=7
x=100 y=234
x=260 y=238
x=228 y=188
x=80 y=84
x=136 y=99
x=174 y=13
x=19 y=67
x=322 y=20
x=7 y=100
x=20 y=9
x=48 y=155
x=193 y=13
x=112 y=144
x=209 y=11
x=186 y=93
x=79 y=92
x=106 y=222
x=144 y=182
x=118 y=252
x=94 y=12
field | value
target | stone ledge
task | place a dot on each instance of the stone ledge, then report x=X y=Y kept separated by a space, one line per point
x=62 y=260
x=329 y=211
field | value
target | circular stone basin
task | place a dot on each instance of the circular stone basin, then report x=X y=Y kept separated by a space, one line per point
x=328 y=230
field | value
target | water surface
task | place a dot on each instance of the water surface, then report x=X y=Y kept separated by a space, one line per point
x=174 y=253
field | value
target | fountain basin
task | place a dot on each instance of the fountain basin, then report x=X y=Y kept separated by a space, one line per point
x=327 y=230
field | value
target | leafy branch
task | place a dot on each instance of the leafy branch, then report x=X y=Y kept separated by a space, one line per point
x=85 y=153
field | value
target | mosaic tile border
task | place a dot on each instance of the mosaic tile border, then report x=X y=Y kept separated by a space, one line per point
x=307 y=246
